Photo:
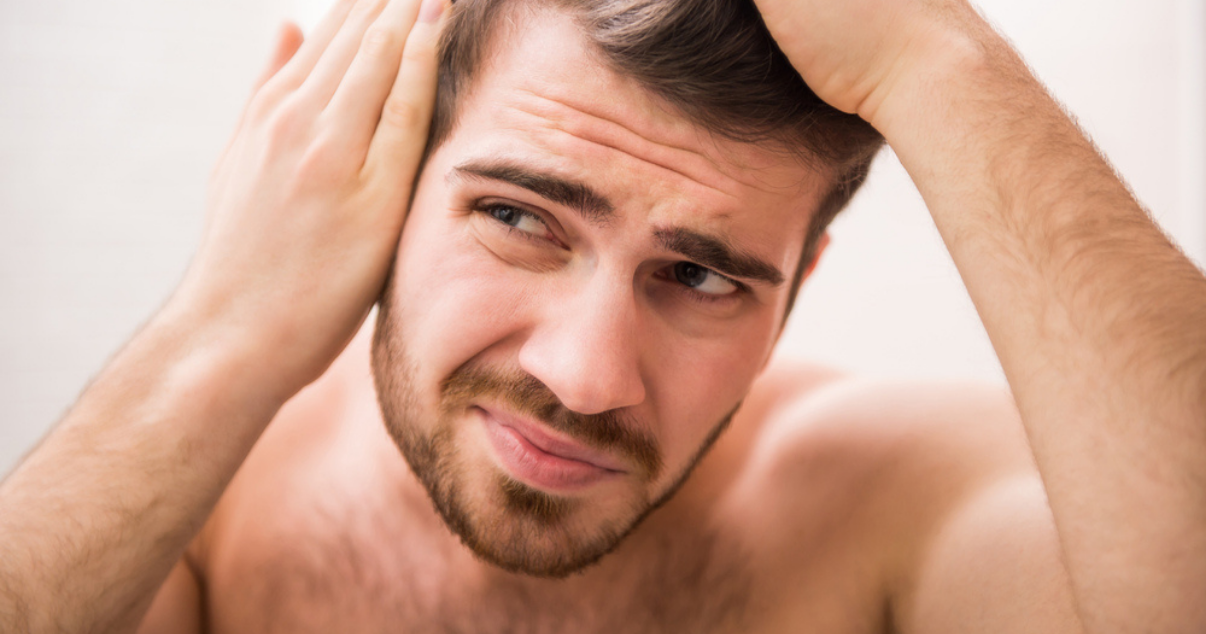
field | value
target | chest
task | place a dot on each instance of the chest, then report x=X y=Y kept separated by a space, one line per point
x=367 y=574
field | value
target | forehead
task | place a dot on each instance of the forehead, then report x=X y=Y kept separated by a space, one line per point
x=545 y=97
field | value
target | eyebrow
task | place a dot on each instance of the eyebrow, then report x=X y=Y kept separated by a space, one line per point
x=705 y=250
x=593 y=206
x=717 y=255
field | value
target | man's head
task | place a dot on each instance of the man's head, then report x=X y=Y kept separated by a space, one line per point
x=619 y=202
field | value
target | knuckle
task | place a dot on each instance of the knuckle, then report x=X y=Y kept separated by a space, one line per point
x=287 y=123
x=262 y=104
x=268 y=100
x=402 y=113
x=420 y=52
x=325 y=163
x=380 y=41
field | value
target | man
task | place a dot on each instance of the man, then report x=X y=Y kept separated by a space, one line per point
x=593 y=273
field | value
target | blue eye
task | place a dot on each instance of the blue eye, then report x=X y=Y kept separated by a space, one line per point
x=520 y=219
x=704 y=280
x=506 y=215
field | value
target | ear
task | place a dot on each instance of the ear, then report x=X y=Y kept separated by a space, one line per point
x=822 y=243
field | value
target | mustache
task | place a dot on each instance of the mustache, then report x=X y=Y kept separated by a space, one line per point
x=613 y=430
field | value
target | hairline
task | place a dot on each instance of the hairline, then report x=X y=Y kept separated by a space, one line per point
x=836 y=186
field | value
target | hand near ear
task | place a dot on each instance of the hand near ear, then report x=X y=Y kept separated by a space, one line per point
x=305 y=209
x=307 y=202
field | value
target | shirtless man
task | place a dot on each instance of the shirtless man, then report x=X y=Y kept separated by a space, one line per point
x=590 y=282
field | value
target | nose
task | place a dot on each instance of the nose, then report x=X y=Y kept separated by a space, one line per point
x=586 y=351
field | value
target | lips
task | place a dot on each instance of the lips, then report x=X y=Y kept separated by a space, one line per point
x=540 y=458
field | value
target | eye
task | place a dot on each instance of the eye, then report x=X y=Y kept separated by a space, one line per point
x=704 y=280
x=517 y=218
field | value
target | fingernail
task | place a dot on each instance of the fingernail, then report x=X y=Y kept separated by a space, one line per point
x=430 y=10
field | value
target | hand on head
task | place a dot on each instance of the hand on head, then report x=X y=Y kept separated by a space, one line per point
x=859 y=54
x=307 y=201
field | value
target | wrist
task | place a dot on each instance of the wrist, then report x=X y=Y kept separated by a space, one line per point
x=947 y=74
x=212 y=354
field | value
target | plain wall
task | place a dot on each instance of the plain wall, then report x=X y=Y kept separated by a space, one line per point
x=112 y=114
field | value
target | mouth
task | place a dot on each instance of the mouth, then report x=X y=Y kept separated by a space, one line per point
x=542 y=459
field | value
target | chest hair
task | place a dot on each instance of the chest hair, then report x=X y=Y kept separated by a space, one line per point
x=350 y=577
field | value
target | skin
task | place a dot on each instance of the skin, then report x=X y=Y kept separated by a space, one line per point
x=591 y=309
x=832 y=504
x=1059 y=258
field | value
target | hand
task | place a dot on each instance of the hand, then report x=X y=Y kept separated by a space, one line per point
x=308 y=200
x=859 y=54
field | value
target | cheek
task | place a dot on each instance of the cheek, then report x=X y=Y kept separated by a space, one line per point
x=453 y=298
x=700 y=381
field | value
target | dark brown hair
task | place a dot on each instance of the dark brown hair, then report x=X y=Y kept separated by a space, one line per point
x=713 y=60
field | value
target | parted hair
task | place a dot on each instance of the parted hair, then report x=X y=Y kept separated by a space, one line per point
x=713 y=60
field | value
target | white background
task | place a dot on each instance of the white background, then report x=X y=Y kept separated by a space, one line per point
x=112 y=113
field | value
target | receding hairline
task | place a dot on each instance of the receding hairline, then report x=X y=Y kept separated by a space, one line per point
x=512 y=18
x=837 y=146
x=456 y=91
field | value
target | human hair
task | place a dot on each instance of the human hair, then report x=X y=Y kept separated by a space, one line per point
x=712 y=60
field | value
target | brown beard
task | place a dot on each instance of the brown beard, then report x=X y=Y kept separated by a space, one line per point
x=531 y=519
x=611 y=431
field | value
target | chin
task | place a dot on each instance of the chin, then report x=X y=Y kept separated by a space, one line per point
x=500 y=518
x=513 y=526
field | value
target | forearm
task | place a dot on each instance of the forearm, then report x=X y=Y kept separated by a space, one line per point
x=306 y=207
x=1099 y=322
x=92 y=522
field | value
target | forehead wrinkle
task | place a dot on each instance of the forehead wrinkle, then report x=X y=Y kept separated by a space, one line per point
x=614 y=134
x=699 y=157
x=552 y=125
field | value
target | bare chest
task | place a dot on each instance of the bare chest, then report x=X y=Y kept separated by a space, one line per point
x=293 y=577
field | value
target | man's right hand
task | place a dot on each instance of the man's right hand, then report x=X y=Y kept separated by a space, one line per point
x=1098 y=320
x=306 y=207
x=308 y=200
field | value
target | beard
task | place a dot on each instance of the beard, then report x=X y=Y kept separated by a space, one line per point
x=500 y=519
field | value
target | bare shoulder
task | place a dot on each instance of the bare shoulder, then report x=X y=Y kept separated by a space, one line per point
x=911 y=441
x=891 y=485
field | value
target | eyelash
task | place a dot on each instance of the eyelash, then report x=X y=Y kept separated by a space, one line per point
x=487 y=207
x=692 y=294
x=707 y=298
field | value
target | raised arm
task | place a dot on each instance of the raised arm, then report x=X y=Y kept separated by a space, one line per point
x=306 y=207
x=1099 y=322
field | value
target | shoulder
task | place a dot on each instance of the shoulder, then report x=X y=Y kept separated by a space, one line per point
x=930 y=441
x=903 y=481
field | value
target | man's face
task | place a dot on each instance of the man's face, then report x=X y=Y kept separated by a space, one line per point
x=585 y=290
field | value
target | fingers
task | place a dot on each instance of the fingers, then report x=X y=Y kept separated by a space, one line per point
x=401 y=133
x=288 y=40
x=357 y=102
x=331 y=68
x=303 y=62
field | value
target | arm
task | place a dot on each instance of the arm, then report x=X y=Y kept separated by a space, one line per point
x=179 y=607
x=992 y=566
x=1099 y=322
x=306 y=207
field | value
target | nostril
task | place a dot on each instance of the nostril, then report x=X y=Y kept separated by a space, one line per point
x=586 y=351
